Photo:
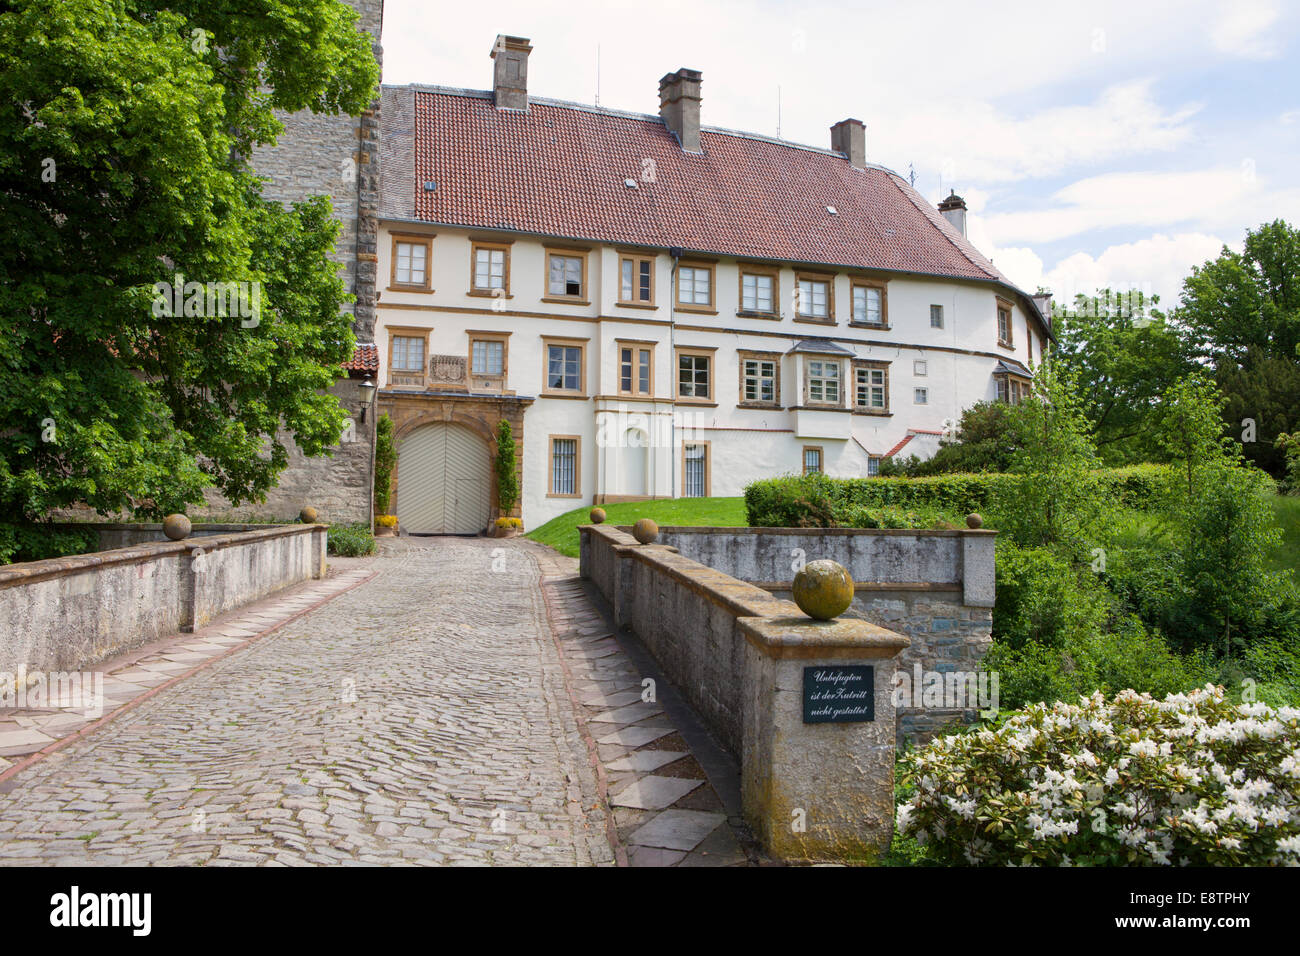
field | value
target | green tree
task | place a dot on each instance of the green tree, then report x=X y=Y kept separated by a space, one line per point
x=1262 y=401
x=1053 y=502
x=507 y=469
x=1246 y=300
x=385 y=460
x=125 y=127
x=1123 y=355
x=1222 y=528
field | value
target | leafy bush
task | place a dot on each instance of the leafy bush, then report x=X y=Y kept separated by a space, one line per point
x=810 y=501
x=1290 y=446
x=385 y=461
x=350 y=540
x=507 y=469
x=1133 y=781
x=36 y=542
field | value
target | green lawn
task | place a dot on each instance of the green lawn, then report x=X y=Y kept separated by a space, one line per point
x=1287 y=509
x=562 y=533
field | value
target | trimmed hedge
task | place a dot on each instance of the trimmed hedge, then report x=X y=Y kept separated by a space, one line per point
x=818 y=501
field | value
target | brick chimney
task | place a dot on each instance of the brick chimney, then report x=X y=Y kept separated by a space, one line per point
x=679 y=107
x=954 y=210
x=510 y=72
x=850 y=138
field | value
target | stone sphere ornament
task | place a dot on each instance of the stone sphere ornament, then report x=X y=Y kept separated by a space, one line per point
x=597 y=515
x=645 y=530
x=177 y=527
x=974 y=520
x=308 y=515
x=823 y=589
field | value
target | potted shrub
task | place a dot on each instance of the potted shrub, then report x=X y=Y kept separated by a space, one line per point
x=385 y=525
x=507 y=527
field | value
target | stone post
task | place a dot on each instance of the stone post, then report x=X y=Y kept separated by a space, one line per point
x=817 y=791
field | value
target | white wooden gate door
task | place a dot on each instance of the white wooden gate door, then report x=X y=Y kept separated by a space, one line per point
x=444 y=481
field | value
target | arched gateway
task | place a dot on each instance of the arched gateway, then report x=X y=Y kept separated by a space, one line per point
x=444 y=481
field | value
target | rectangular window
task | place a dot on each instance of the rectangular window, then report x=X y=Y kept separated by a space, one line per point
x=758 y=382
x=695 y=470
x=871 y=388
x=920 y=368
x=921 y=396
x=1004 y=323
x=812 y=459
x=695 y=287
x=408 y=357
x=693 y=376
x=813 y=298
x=565 y=277
x=869 y=304
x=873 y=466
x=758 y=292
x=487 y=357
x=564 y=466
x=564 y=367
x=490 y=268
x=411 y=261
x=936 y=316
x=634 y=369
x=408 y=353
x=823 y=382
x=636 y=280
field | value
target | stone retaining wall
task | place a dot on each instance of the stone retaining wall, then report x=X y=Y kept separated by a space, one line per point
x=937 y=587
x=810 y=790
x=70 y=613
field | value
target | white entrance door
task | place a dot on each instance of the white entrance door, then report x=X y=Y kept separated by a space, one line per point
x=444 y=481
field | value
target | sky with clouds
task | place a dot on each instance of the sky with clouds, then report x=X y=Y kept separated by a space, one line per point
x=1101 y=144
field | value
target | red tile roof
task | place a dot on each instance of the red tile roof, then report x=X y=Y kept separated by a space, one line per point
x=559 y=170
x=364 y=359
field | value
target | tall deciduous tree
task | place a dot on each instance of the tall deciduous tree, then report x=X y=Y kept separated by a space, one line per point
x=1124 y=356
x=125 y=127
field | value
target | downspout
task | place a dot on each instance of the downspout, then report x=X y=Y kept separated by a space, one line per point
x=676 y=253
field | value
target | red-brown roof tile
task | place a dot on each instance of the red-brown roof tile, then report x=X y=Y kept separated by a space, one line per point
x=559 y=170
x=364 y=359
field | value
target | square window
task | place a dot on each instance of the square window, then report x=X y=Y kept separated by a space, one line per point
x=693 y=376
x=408 y=353
x=823 y=382
x=813 y=298
x=756 y=292
x=564 y=368
x=489 y=269
x=487 y=357
x=871 y=388
x=410 y=263
x=868 y=304
x=695 y=286
x=565 y=278
x=921 y=396
x=920 y=367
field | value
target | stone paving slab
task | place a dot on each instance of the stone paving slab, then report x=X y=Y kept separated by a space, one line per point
x=421 y=718
x=631 y=738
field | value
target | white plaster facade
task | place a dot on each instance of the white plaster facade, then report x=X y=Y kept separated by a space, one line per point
x=743 y=443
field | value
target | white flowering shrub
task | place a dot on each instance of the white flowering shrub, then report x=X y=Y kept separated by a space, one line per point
x=1191 y=780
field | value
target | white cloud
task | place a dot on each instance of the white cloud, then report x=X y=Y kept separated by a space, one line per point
x=1155 y=265
x=1244 y=28
x=1134 y=199
x=970 y=140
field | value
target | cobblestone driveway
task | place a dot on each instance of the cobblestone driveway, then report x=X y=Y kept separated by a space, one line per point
x=419 y=718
